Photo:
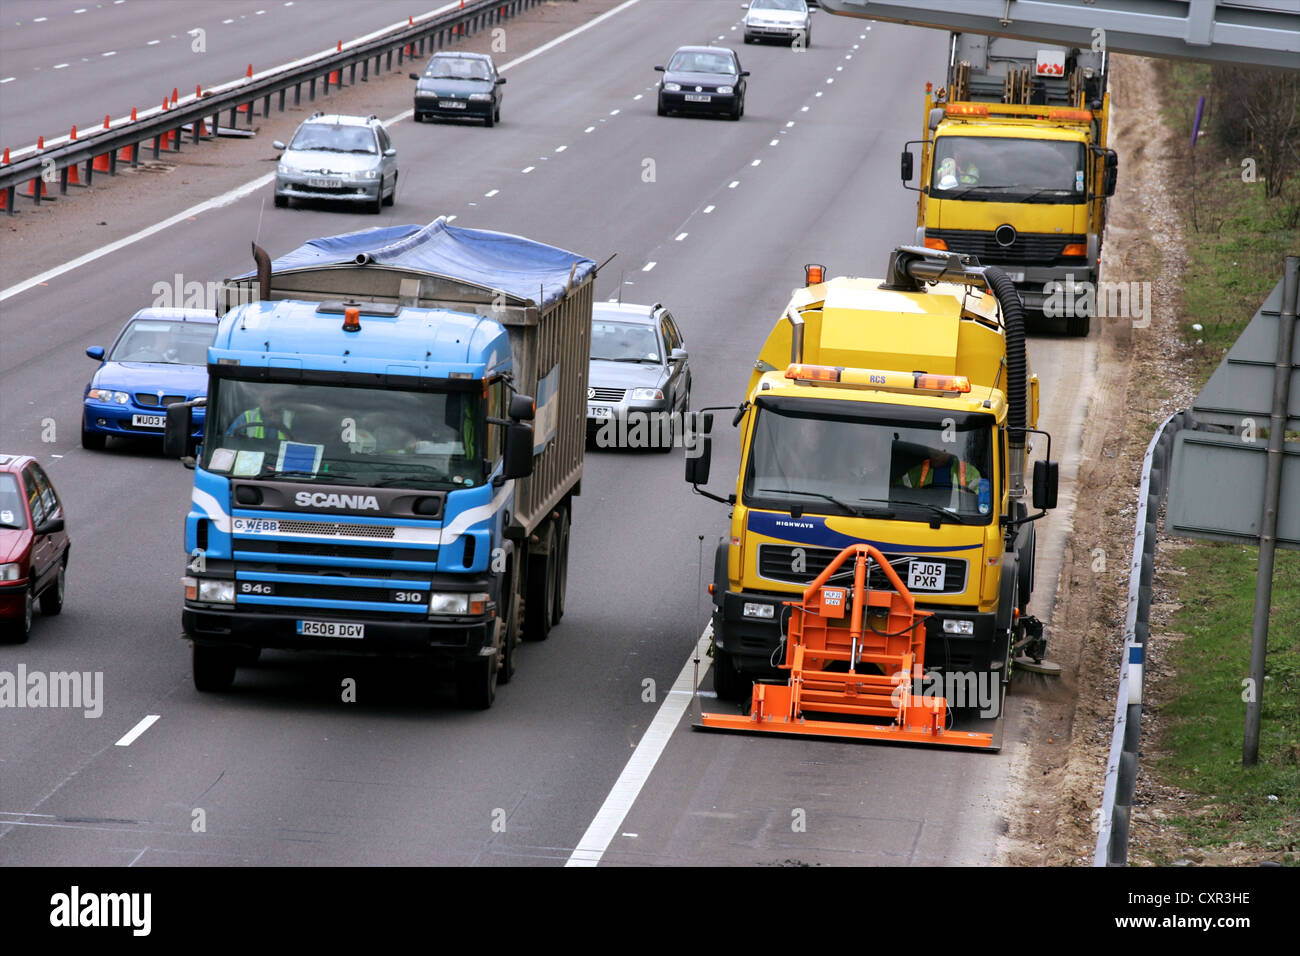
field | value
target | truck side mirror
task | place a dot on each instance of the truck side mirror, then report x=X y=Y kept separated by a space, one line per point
x=700 y=454
x=1111 y=173
x=1046 y=477
x=518 y=459
x=176 y=433
x=907 y=166
x=522 y=407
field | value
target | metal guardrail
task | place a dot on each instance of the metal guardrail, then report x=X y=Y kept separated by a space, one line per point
x=74 y=161
x=1122 y=764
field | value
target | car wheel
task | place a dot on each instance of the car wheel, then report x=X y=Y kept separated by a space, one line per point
x=378 y=205
x=17 y=632
x=417 y=117
x=668 y=434
x=488 y=120
x=281 y=201
x=497 y=114
x=738 y=112
x=213 y=667
x=392 y=195
x=52 y=597
x=662 y=111
x=92 y=441
x=749 y=38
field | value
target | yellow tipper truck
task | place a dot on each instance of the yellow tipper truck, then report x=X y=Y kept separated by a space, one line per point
x=894 y=413
x=1015 y=168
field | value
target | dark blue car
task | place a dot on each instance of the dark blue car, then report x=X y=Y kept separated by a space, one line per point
x=160 y=357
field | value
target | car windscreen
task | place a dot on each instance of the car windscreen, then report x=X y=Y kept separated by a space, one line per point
x=1002 y=169
x=624 y=342
x=162 y=342
x=457 y=68
x=369 y=437
x=687 y=62
x=336 y=139
x=12 y=512
x=826 y=462
x=794 y=6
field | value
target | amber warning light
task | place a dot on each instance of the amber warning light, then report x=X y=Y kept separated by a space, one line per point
x=351 y=319
x=814 y=273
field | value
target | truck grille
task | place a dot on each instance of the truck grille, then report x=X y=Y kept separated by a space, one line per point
x=288 y=550
x=607 y=394
x=290 y=526
x=776 y=562
x=1032 y=248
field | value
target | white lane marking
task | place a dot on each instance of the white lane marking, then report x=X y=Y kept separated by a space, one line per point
x=614 y=112
x=130 y=736
x=490 y=193
x=774 y=142
x=830 y=79
x=848 y=56
x=707 y=210
x=791 y=123
x=109 y=53
x=82 y=10
x=838 y=69
x=819 y=93
x=449 y=218
x=560 y=149
x=648 y=266
x=7 y=79
x=259 y=13
x=638 y=96
x=681 y=236
x=609 y=818
x=731 y=185
x=589 y=129
x=755 y=162
x=528 y=169
x=856 y=45
x=153 y=42
x=60 y=66
x=224 y=22
x=804 y=109
x=40 y=19
x=253 y=185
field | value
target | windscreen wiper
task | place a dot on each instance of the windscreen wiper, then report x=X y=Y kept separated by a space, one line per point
x=856 y=512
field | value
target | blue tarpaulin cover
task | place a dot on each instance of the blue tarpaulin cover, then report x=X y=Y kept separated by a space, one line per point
x=517 y=266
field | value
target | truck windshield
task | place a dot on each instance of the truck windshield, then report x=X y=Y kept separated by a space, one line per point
x=871 y=463
x=1003 y=169
x=349 y=435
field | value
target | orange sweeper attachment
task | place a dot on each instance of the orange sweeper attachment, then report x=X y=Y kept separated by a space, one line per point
x=852 y=653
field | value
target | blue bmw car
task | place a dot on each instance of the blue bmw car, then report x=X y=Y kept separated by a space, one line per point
x=160 y=357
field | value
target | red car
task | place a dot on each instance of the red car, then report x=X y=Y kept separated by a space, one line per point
x=33 y=546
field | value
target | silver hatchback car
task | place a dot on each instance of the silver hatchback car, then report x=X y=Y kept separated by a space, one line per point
x=339 y=158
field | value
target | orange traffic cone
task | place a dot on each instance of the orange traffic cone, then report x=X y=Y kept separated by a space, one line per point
x=103 y=162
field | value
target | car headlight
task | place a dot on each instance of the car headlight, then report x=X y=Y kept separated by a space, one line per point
x=726 y=90
x=283 y=169
x=9 y=572
x=108 y=395
x=365 y=175
x=460 y=603
x=480 y=97
x=646 y=394
x=673 y=87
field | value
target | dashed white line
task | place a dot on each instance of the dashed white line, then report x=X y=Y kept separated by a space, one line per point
x=830 y=79
x=648 y=266
x=59 y=66
x=774 y=142
x=528 y=169
x=819 y=93
x=259 y=13
x=560 y=149
x=856 y=45
x=7 y=79
x=755 y=162
x=708 y=209
x=227 y=21
x=109 y=53
x=153 y=42
x=680 y=236
x=638 y=96
x=490 y=193
x=589 y=129
x=130 y=736
x=848 y=56
x=82 y=10
x=791 y=123
x=838 y=69
x=40 y=19
x=733 y=184
x=614 y=112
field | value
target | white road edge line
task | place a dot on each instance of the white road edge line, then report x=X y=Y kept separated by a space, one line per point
x=609 y=818
x=251 y=186
x=130 y=736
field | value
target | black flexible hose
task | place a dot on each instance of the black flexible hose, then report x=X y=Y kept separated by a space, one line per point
x=1013 y=320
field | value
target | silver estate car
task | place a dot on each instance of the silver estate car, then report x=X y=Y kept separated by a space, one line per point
x=338 y=158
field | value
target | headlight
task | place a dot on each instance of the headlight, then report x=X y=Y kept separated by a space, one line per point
x=216 y=592
x=726 y=90
x=766 y=611
x=9 y=572
x=108 y=395
x=959 y=627
x=283 y=169
x=480 y=97
x=366 y=174
x=646 y=394
x=672 y=87
x=441 y=602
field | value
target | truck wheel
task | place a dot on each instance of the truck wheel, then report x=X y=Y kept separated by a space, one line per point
x=1078 y=325
x=510 y=627
x=729 y=683
x=539 y=603
x=52 y=597
x=561 y=566
x=214 y=668
x=476 y=683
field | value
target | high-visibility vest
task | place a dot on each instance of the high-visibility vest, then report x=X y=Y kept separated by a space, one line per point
x=921 y=481
x=254 y=417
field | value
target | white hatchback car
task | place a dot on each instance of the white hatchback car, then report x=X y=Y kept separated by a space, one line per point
x=786 y=20
x=338 y=158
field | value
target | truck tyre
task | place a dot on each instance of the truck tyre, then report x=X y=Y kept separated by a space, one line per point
x=92 y=441
x=247 y=656
x=476 y=683
x=561 y=565
x=214 y=668
x=539 y=602
x=1078 y=325
x=510 y=643
x=52 y=597
x=729 y=683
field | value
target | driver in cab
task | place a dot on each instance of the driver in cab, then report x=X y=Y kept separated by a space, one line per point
x=264 y=420
x=941 y=469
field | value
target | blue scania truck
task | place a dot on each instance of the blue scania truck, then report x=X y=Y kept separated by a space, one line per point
x=394 y=432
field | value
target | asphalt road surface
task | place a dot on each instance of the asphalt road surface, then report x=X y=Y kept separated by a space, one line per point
x=713 y=218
